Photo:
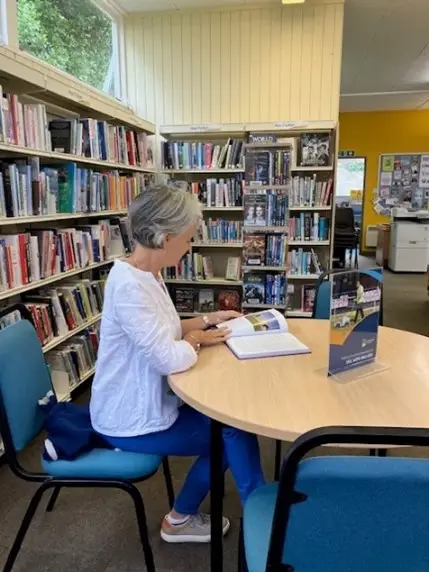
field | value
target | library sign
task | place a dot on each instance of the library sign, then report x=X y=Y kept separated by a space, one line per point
x=345 y=153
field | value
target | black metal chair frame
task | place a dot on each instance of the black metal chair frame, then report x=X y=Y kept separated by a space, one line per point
x=288 y=495
x=48 y=482
x=278 y=444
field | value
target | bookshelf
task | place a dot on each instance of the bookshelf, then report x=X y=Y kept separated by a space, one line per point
x=190 y=159
x=72 y=159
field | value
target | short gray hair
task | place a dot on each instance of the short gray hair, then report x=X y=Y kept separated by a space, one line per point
x=161 y=210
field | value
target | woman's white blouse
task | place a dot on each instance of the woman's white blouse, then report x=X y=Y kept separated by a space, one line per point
x=140 y=344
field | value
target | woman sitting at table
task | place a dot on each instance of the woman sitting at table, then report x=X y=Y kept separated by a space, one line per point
x=143 y=340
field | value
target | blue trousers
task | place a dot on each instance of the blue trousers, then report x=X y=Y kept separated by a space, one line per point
x=189 y=437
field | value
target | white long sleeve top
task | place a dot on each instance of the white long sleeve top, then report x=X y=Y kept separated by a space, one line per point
x=140 y=344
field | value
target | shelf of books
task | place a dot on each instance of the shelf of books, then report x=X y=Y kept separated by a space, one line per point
x=276 y=208
x=66 y=181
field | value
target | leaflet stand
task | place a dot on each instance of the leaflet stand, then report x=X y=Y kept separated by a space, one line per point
x=354 y=320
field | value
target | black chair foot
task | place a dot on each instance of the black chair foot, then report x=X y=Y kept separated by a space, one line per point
x=26 y=521
x=168 y=482
x=142 y=524
x=378 y=452
x=53 y=499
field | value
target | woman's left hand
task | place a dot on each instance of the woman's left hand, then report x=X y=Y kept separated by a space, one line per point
x=222 y=316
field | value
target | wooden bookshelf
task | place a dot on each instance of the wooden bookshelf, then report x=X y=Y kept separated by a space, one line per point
x=62 y=397
x=16 y=220
x=288 y=135
x=60 y=339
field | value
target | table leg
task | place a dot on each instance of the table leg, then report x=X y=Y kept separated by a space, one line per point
x=216 y=496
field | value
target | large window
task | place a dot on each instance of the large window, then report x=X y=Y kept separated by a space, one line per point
x=73 y=35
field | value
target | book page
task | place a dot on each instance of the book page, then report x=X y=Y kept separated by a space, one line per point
x=267 y=346
x=265 y=322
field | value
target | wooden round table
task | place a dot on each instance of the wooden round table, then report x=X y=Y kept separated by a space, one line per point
x=287 y=396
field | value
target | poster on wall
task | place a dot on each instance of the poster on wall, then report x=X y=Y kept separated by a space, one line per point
x=403 y=181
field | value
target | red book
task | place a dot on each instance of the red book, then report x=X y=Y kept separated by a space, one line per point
x=23 y=258
x=9 y=267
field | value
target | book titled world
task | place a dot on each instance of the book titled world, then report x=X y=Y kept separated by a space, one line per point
x=263 y=334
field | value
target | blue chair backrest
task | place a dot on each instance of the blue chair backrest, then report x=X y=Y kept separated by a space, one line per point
x=24 y=379
x=361 y=514
x=322 y=300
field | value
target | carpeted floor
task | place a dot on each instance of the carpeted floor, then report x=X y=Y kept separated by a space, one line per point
x=95 y=531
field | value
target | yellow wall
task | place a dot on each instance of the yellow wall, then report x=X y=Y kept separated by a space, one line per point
x=236 y=65
x=370 y=134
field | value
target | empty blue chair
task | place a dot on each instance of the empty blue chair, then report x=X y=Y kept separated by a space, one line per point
x=337 y=514
x=24 y=379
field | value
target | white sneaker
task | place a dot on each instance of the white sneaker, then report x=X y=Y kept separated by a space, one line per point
x=196 y=529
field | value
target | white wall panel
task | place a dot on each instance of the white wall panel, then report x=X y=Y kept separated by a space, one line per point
x=246 y=65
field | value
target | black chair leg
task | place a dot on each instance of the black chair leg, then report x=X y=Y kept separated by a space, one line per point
x=378 y=452
x=53 y=499
x=26 y=521
x=242 y=564
x=277 y=460
x=168 y=482
x=142 y=524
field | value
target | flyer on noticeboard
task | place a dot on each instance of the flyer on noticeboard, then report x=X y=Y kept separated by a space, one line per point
x=354 y=319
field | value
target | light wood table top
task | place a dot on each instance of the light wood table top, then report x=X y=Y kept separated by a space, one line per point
x=286 y=396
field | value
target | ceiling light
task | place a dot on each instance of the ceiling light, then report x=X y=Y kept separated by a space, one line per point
x=293 y=1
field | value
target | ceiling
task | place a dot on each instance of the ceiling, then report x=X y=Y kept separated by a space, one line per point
x=385 y=55
x=385 y=49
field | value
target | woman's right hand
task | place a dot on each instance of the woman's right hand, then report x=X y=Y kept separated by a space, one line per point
x=208 y=337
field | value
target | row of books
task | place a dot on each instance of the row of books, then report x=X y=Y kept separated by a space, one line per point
x=58 y=311
x=197 y=267
x=220 y=192
x=300 y=261
x=27 y=125
x=31 y=256
x=309 y=192
x=265 y=207
x=300 y=298
x=309 y=226
x=264 y=250
x=264 y=289
x=189 y=300
x=28 y=190
x=220 y=230
x=70 y=361
x=268 y=167
x=202 y=155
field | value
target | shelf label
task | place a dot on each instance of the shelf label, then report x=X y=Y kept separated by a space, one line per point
x=201 y=128
x=290 y=124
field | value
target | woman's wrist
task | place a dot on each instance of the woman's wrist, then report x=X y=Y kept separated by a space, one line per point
x=194 y=340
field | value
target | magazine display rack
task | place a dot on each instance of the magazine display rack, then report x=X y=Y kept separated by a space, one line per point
x=267 y=191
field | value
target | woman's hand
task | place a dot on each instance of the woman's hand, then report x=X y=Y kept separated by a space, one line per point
x=207 y=337
x=222 y=316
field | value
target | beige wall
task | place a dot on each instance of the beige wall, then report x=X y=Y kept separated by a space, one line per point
x=236 y=65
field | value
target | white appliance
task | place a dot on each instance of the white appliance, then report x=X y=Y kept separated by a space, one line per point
x=409 y=246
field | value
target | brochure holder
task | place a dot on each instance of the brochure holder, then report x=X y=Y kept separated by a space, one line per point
x=354 y=320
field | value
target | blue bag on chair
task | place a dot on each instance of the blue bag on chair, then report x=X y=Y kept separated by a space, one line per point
x=69 y=429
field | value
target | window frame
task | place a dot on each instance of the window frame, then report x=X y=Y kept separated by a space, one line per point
x=9 y=29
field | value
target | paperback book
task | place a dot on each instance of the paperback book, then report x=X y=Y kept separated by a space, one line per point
x=229 y=300
x=263 y=334
x=315 y=150
x=254 y=249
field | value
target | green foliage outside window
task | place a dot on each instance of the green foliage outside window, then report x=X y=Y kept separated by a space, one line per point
x=73 y=35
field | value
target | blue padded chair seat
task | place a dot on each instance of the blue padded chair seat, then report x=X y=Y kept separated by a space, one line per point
x=362 y=513
x=104 y=464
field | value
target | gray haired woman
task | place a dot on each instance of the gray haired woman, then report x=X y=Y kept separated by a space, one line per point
x=143 y=340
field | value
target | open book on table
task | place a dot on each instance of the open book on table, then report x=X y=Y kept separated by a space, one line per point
x=263 y=334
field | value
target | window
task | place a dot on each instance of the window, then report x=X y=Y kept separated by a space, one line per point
x=75 y=36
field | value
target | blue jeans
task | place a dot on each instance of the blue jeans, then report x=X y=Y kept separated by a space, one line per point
x=190 y=436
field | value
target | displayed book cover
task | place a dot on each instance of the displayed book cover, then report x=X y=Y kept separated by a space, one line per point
x=233 y=268
x=229 y=300
x=262 y=334
x=257 y=167
x=308 y=295
x=206 y=301
x=254 y=249
x=255 y=208
x=184 y=299
x=315 y=149
x=262 y=138
x=254 y=288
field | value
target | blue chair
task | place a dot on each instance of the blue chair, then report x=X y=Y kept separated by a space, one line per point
x=337 y=514
x=24 y=379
